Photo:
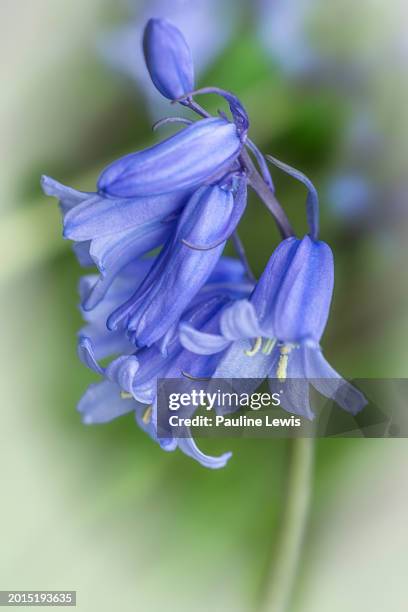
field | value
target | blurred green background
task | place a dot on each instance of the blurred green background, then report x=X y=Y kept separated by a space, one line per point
x=103 y=510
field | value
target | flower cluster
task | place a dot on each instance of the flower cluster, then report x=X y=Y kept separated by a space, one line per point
x=165 y=301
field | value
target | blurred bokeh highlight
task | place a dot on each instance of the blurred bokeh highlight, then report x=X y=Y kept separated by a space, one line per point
x=103 y=510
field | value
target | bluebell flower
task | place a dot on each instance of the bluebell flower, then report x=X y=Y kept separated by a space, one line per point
x=130 y=379
x=168 y=58
x=351 y=196
x=199 y=153
x=285 y=318
x=283 y=30
x=184 y=264
x=165 y=302
x=112 y=232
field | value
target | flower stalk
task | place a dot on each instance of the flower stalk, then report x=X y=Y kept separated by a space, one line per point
x=267 y=196
x=280 y=584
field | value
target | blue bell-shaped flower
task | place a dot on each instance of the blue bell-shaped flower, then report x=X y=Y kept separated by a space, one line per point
x=293 y=295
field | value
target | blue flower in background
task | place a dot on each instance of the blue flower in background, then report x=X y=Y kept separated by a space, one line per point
x=166 y=303
x=353 y=189
x=283 y=31
x=351 y=196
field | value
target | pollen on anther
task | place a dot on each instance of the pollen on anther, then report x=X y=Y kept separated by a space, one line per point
x=147 y=415
x=254 y=350
x=269 y=345
x=282 y=369
x=126 y=395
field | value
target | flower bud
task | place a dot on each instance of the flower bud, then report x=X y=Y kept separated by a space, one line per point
x=168 y=59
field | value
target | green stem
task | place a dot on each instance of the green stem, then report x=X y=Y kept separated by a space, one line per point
x=279 y=589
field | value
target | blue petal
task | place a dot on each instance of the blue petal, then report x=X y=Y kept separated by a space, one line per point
x=150 y=426
x=292 y=298
x=128 y=245
x=200 y=342
x=87 y=355
x=235 y=322
x=303 y=301
x=237 y=364
x=123 y=371
x=168 y=58
x=112 y=253
x=81 y=250
x=240 y=321
x=183 y=161
x=170 y=335
x=224 y=233
x=189 y=365
x=85 y=284
x=268 y=286
x=68 y=200
x=68 y=197
x=179 y=272
x=100 y=216
x=228 y=270
x=152 y=365
x=330 y=384
x=189 y=447
x=106 y=343
x=102 y=403
x=120 y=289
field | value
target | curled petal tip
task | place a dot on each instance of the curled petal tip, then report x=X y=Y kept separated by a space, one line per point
x=190 y=448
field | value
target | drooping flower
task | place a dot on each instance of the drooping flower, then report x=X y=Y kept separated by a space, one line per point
x=197 y=154
x=112 y=232
x=186 y=311
x=288 y=308
x=184 y=264
x=130 y=379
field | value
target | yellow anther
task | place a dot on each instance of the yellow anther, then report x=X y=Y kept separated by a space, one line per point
x=126 y=395
x=282 y=369
x=253 y=351
x=285 y=349
x=147 y=415
x=269 y=344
